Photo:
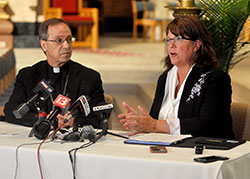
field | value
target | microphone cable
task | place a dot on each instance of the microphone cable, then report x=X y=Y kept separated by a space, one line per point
x=39 y=147
x=18 y=147
x=73 y=158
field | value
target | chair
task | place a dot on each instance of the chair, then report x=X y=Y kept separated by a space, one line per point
x=109 y=100
x=7 y=77
x=245 y=34
x=148 y=19
x=241 y=120
x=72 y=11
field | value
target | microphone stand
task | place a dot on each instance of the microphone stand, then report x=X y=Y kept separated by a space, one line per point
x=105 y=131
x=75 y=135
x=117 y=135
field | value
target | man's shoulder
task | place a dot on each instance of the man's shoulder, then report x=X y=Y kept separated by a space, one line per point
x=32 y=69
x=82 y=69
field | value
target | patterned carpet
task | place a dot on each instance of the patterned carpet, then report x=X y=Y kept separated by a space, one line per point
x=108 y=52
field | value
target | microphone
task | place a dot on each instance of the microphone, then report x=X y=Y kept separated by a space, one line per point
x=42 y=127
x=103 y=111
x=104 y=107
x=88 y=132
x=61 y=104
x=42 y=91
x=80 y=105
x=41 y=117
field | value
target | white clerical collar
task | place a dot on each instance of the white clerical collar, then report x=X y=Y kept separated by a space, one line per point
x=56 y=69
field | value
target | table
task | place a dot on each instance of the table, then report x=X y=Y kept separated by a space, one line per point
x=111 y=158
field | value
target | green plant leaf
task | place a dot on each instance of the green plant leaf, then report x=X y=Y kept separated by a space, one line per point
x=224 y=20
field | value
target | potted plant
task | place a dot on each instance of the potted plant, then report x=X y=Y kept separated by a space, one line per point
x=224 y=21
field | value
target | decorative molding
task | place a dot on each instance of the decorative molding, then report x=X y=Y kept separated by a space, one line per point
x=3 y=14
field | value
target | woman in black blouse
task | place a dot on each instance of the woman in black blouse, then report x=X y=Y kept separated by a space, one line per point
x=193 y=95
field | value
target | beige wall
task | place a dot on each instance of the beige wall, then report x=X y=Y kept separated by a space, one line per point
x=161 y=11
x=24 y=10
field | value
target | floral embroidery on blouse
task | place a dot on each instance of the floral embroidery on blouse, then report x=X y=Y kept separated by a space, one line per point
x=197 y=87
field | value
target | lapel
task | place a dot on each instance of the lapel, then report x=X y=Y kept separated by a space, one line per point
x=73 y=82
x=162 y=85
x=191 y=80
x=42 y=71
x=186 y=101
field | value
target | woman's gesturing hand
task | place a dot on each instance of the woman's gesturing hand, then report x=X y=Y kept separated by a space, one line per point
x=135 y=122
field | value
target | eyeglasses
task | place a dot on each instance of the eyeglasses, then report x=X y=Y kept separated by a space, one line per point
x=179 y=38
x=60 y=41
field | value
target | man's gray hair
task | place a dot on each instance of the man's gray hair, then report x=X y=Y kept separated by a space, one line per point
x=43 y=30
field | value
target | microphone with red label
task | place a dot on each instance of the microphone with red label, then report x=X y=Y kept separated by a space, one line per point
x=80 y=108
x=42 y=127
x=61 y=104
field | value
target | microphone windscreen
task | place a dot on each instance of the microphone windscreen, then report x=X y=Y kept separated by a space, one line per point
x=21 y=111
x=88 y=132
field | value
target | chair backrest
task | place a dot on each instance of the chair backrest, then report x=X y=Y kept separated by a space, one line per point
x=145 y=7
x=241 y=120
x=138 y=6
x=149 y=9
x=150 y=5
x=108 y=99
x=68 y=6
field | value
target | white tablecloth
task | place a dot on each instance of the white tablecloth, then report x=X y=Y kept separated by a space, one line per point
x=111 y=158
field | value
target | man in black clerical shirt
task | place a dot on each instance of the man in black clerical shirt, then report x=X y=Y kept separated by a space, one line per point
x=68 y=78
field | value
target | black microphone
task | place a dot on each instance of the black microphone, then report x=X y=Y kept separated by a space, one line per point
x=61 y=104
x=103 y=107
x=42 y=91
x=103 y=111
x=42 y=127
x=88 y=132
x=80 y=105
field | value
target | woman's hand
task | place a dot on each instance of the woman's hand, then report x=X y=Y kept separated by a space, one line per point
x=130 y=110
x=132 y=121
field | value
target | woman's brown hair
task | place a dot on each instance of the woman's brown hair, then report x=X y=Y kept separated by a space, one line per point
x=192 y=27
